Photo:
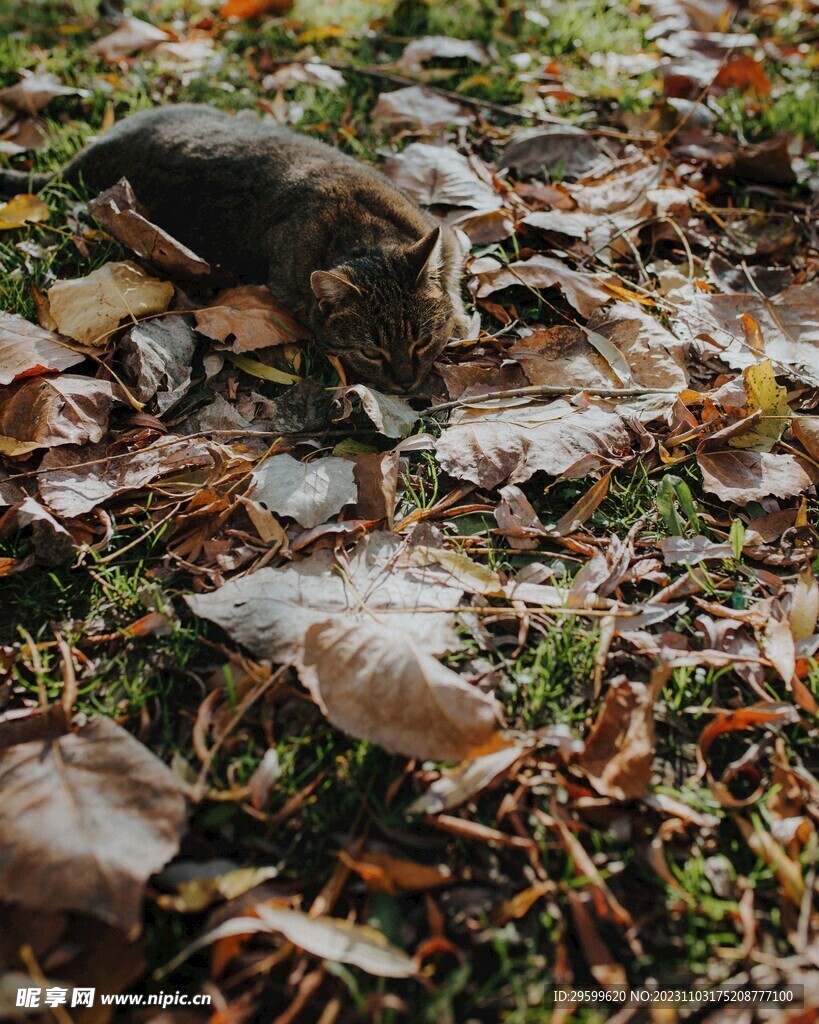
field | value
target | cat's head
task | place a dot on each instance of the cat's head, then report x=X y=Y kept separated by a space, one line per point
x=387 y=315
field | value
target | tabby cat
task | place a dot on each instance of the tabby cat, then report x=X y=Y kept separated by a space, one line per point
x=376 y=277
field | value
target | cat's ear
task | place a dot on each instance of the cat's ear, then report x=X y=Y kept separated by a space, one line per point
x=425 y=258
x=331 y=287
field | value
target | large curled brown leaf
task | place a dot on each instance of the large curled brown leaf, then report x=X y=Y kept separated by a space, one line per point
x=247 y=318
x=492 y=446
x=616 y=758
x=371 y=680
x=741 y=476
x=27 y=349
x=42 y=412
x=85 y=820
x=118 y=210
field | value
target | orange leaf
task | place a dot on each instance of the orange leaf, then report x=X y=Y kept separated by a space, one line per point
x=744 y=73
x=253 y=8
x=383 y=873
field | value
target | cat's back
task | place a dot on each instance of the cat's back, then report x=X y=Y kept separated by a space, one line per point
x=192 y=134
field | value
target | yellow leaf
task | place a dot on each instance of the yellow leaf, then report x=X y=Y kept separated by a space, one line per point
x=11 y=446
x=257 y=369
x=767 y=397
x=21 y=210
x=804 y=610
x=626 y=293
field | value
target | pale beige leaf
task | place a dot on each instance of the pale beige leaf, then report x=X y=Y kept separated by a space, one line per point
x=90 y=308
x=460 y=784
x=309 y=492
x=374 y=682
x=584 y=290
x=130 y=36
x=35 y=91
x=270 y=611
x=326 y=937
x=804 y=607
x=392 y=415
x=441 y=175
x=427 y=48
x=417 y=105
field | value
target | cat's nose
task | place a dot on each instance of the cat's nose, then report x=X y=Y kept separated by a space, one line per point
x=403 y=373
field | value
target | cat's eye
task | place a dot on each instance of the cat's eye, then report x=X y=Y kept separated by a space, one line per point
x=417 y=348
x=370 y=358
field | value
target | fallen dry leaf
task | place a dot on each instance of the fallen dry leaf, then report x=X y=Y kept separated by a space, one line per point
x=247 y=318
x=691 y=550
x=130 y=36
x=329 y=938
x=90 y=308
x=517 y=519
x=391 y=415
x=536 y=152
x=85 y=819
x=270 y=611
x=118 y=210
x=46 y=411
x=585 y=291
x=788 y=322
x=35 y=91
x=456 y=786
x=376 y=477
x=803 y=611
x=309 y=492
x=27 y=350
x=372 y=681
x=617 y=755
x=311 y=72
x=21 y=210
x=751 y=476
x=24 y=135
x=51 y=541
x=435 y=175
x=79 y=479
x=157 y=359
x=492 y=446
x=427 y=48
x=770 y=400
x=417 y=105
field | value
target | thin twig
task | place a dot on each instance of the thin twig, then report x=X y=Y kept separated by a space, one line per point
x=536 y=390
